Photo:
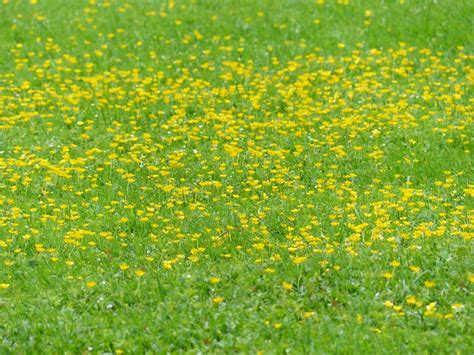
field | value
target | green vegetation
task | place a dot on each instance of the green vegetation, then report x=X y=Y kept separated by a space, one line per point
x=236 y=176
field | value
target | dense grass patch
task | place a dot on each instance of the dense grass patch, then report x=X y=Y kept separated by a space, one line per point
x=236 y=176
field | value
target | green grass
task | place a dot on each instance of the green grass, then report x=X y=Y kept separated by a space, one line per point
x=236 y=176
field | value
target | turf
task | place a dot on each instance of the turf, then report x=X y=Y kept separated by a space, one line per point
x=236 y=176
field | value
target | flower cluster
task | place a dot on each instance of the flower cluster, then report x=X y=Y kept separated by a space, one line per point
x=329 y=185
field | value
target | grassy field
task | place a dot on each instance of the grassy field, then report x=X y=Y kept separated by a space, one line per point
x=236 y=176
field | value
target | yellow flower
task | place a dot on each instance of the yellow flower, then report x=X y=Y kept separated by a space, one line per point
x=411 y=300
x=299 y=259
x=214 y=280
x=431 y=308
x=308 y=314
x=167 y=265
x=217 y=300
x=429 y=284
x=139 y=273
x=387 y=275
x=124 y=266
x=258 y=246
x=287 y=286
x=277 y=325
x=397 y=308
x=91 y=284
x=4 y=286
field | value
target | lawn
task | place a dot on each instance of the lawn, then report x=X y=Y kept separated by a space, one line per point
x=198 y=176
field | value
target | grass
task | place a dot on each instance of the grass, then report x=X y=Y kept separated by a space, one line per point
x=236 y=176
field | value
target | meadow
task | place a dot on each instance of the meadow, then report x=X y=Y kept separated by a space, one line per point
x=198 y=176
